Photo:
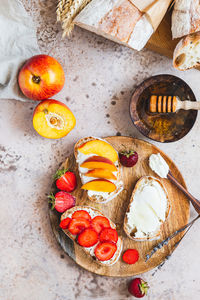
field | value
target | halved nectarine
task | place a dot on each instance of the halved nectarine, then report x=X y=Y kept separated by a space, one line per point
x=99 y=162
x=99 y=185
x=53 y=119
x=101 y=173
x=99 y=148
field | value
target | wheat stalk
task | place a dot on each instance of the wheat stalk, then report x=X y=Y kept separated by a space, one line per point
x=59 y=10
x=67 y=10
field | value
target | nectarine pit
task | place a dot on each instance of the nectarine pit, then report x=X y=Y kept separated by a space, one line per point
x=36 y=79
x=54 y=120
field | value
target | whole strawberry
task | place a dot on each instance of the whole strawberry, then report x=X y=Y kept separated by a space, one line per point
x=128 y=158
x=61 y=201
x=138 y=288
x=65 y=180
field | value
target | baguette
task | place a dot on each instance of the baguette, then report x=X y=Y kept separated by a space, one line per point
x=119 y=184
x=187 y=52
x=117 y=20
x=147 y=211
x=90 y=251
x=185 y=18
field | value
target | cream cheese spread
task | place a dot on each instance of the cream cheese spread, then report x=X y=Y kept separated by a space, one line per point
x=148 y=208
x=158 y=165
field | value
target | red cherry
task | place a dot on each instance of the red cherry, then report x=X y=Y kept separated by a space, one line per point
x=128 y=158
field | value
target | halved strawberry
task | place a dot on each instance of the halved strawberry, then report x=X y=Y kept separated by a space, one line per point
x=65 y=180
x=65 y=223
x=62 y=201
x=98 y=223
x=105 y=251
x=78 y=225
x=130 y=256
x=108 y=235
x=81 y=214
x=87 y=238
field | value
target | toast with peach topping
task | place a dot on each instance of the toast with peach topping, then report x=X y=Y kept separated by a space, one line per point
x=89 y=220
x=99 y=169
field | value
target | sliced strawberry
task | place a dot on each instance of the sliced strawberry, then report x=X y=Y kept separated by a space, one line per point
x=98 y=223
x=65 y=180
x=78 y=225
x=81 y=214
x=62 y=201
x=105 y=251
x=130 y=256
x=108 y=235
x=88 y=238
x=65 y=223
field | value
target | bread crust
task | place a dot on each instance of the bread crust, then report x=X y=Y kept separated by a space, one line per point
x=119 y=173
x=185 y=18
x=126 y=228
x=180 y=52
x=117 y=20
x=89 y=209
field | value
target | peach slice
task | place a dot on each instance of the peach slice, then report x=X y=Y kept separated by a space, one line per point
x=100 y=148
x=99 y=185
x=99 y=162
x=101 y=173
x=53 y=119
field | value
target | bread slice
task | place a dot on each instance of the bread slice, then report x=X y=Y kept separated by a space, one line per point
x=119 y=184
x=187 y=52
x=90 y=251
x=185 y=18
x=150 y=210
x=117 y=20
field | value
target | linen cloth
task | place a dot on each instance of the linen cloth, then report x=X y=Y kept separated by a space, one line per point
x=18 y=42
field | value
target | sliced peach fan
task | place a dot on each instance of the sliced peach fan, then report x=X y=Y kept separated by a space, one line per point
x=100 y=148
x=101 y=173
x=99 y=162
x=99 y=185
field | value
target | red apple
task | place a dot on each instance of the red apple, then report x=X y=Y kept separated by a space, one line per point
x=41 y=77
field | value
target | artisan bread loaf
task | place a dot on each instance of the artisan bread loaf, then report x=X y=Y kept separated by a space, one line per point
x=185 y=18
x=90 y=251
x=187 y=52
x=148 y=209
x=99 y=197
x=117 y=20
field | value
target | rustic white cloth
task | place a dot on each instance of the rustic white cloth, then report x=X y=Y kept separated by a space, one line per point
x=17 y=43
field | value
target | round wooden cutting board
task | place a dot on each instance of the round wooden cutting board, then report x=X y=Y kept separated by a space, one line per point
x=116 y=209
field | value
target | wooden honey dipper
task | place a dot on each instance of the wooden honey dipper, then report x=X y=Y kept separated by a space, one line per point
x=170 y=104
